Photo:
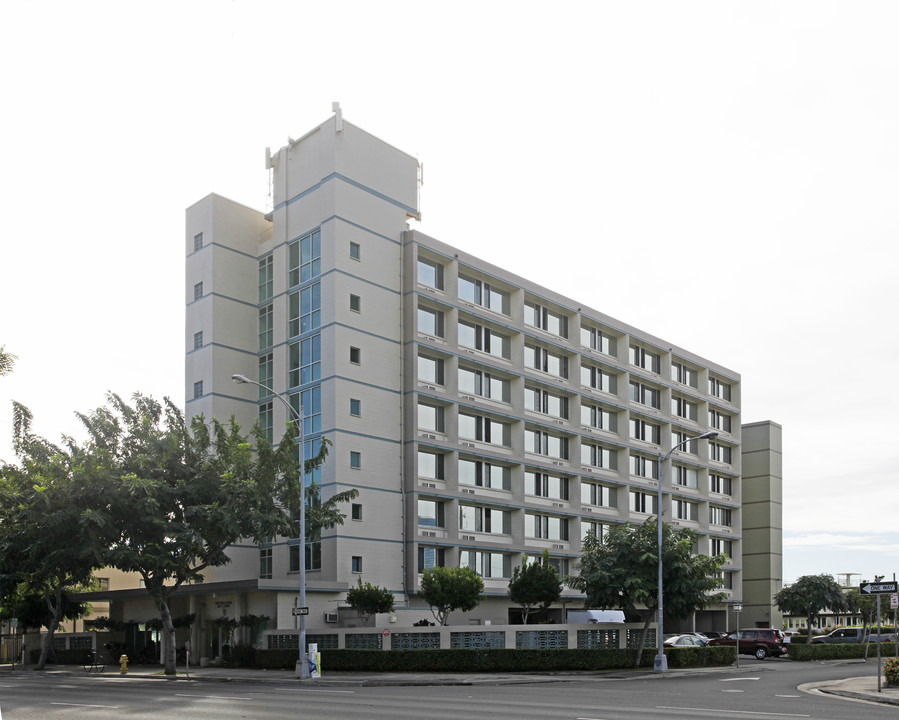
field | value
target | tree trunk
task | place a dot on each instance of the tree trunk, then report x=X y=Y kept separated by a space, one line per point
x=51 y=628
x=808 y=626
x=524 y=615
x=643 y=633
x=168 y=631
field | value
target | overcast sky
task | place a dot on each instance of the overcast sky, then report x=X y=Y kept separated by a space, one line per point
x=723 y=175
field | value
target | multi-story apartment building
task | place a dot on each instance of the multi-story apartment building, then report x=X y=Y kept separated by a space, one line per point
x=480 y=416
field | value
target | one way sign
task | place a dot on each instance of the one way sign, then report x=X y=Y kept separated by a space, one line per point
x=878 y=588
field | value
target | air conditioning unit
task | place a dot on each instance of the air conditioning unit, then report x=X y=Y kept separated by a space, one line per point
x=469 y=444
x=429 y=533
x=429 y=485
x=557 y=462
x=330 y=617
x=558 y=547
x=468 y=537
x=429 y=436
x=555 y=504
x=429 y=387
x=469 y=491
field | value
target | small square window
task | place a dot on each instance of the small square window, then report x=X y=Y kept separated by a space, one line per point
x=198 y=389
x=198 y=291
x=355 y=459
x=198 y=241
x=355 y=407
x=356 y=511
x=355 y=355
x=355 y=303
x=355 y=250
x=357 y=563
x=198 y=340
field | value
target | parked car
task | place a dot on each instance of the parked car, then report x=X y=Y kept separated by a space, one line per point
x=853 y=635
x=711 y=634
x=682 y=641
x=761 y=642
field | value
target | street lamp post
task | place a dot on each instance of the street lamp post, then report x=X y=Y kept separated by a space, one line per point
x=302 y=665
x=660 y=664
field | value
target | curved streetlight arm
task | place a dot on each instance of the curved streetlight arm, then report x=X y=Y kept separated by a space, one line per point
x=242 y=379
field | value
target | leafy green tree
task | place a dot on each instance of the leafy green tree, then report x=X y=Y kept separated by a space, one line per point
x=367 y=600
x=448 y=589
x=866 y=606
x=178 y=495
x=535 y=585
x=621 y=572
x=808 y=596
x=7 y=360
x=48 y=545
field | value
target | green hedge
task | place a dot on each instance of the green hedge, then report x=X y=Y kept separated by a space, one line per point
x=494 y=660
x=838 y=651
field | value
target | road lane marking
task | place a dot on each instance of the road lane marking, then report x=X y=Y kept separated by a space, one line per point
x=739 y=678
x=212 y=697
x=788 y=696
x=733 y=691
x=105 y=707
x=729 y=712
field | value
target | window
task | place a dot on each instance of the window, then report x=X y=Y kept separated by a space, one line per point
x=683 y=408
x=642 y=358
x=719 y=452
x=546 y=402
x=645 y=395
x=596 y=494
x=597 y=456
x=475 y=427
x=561 y=566
x=430 y=274
x=594 y=377
x=198 y=291
x=265 y=562
x=727 y=583
x=483 y=294
x=355 y=251
x=720 y=484
x=198 y=389
x=544 y=485
x=475 y=518
x=642 y=466
x=681 y=441
x=544 y=443
x=542 y=359
x=540 y=317
x=642 y=502
x=430 y=418
x=642 y=430
x=266 y=277
x=719 y=420
x=686 y=476
x=355 y=459
x=198 y=241
x=430 y=465
x=478 y=473
x=719 y=389
x=722 y=546
x=304 y=258
x=304 y=361
x=685 y=510
x=478 y=337
x=430 y=322
x=355 y=356
x=598 y=529
x=304 y=310
x=430 y=369
x=598 y=417
x=355 y=407
x=356 y=563
x=266 y=326
x=266 y=421
x=430 y=557
x=682 y=374
x=266 y=363
x=546 y=527
x=720 y=516
x=308 y=405
x=597 y=340
x=355 y=303
x=484 y=384
x=198 y=340
x=313 y=555
x=487 y=564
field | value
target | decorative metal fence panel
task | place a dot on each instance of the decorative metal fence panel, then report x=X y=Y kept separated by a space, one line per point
x=324 y=642
x=415 y=641
x=477 y=640
x=633 y=638
x=364 y=641
x=541 y=639
x=283 y=642
x=81 y=643
x=594 y=639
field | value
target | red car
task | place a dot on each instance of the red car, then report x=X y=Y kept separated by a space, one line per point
x=760 y=642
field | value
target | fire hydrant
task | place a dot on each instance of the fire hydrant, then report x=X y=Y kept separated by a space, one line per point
x=123 y=661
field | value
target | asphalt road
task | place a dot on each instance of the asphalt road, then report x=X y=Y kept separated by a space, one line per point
x=768 y=693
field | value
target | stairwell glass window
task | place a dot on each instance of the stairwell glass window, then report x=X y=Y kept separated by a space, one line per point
x=484 y=384
x=597 y=340
x=687 y=477
x=430 y=465
x=540 y=442
x=646 y=431
x=266 y=277
x=304 y=361
x=719 y=420
x=304 y=258
x=477 y=473
x=478 y=337
x=596 y=378
x=545 y=527
x=430 y=273
x=539 y=358
x=644 y=467
x=265 y=561
x=539 y=484
x=430 y=322
x=685 y=510
x=266 y=326
x=596 y=494
x=719 y=389
x=266 y=420
x=643 y=358
x=266 y=373
x=720 y=484
x=645 y=395
x=475 y=518
x=308 y=405
x=484 y=429
x=430 y=418
x=720 y=516
x=430 y=369
x=483 y=294
x=598 y=417
x=642 y=502
x=597 y=456
x=304 y=310
x=546 y=402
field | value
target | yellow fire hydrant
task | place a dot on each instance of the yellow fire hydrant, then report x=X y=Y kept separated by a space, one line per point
x=123 y=661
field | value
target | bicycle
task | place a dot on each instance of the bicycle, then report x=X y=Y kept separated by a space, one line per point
x=93 y=662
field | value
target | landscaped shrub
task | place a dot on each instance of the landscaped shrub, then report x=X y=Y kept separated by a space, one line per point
x=838 y=651
x=891 y=672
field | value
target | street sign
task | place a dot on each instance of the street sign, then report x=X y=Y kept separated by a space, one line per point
x=878 y=588
x=738 y=608
x=301 y=611
x=894 y=601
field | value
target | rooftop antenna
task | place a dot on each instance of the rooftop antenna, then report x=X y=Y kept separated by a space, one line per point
x=335 y=108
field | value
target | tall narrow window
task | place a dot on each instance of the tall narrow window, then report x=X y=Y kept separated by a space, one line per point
x=198 y=291
x=304 y=258
x=198 y=340
x=198 y=241
x=355 y=303
x=355 y=407
x=266 y=326
x=355 y=460
x=266 y=277
x=355 y=251
x=198 y=389
x=355 y=356
x=430 y=274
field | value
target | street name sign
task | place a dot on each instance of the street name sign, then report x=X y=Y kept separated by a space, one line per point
x=878 y=588
x=301 y=611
